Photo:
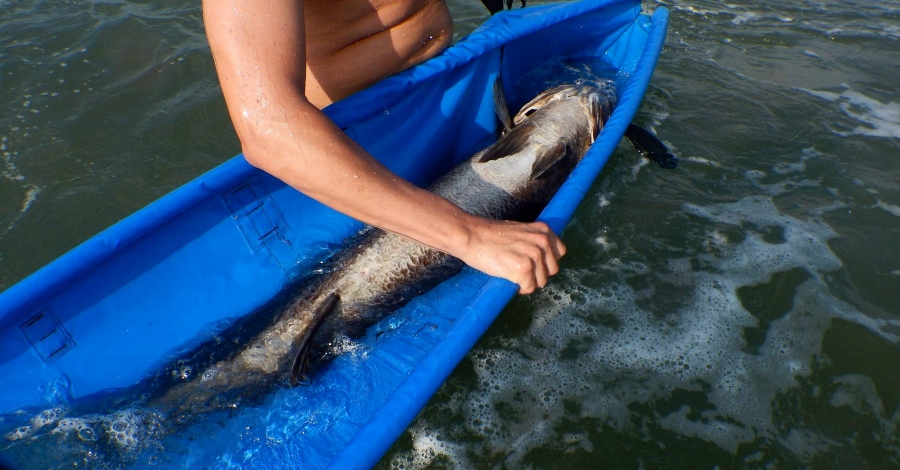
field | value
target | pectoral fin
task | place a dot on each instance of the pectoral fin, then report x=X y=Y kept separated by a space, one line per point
x=650 y=147
x=301 y=362
x=548 y=158
x=517 y=140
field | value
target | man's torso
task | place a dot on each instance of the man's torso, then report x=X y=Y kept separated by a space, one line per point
x=351 y=44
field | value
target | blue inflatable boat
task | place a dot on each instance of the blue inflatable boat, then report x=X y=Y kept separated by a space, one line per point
x=121 y=307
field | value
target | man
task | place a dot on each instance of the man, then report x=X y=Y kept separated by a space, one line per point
x=281 y=61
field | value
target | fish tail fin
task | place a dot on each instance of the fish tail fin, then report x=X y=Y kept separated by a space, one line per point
x=301 y=362
x=651 y=147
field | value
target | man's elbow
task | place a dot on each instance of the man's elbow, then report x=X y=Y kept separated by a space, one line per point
x=254 y=153
x=264 y=138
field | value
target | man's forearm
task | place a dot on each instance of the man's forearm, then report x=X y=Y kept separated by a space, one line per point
x=311 y=154
x=260 y=54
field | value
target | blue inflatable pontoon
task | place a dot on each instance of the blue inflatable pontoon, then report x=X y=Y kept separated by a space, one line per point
x=119 y=308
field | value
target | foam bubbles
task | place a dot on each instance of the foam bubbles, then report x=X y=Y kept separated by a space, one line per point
x=83 y=428
x=37 y=422
x=889 y=208
x=11 y=172
x=595 y=353
x=183 y=373
x=122 y=429
x=47 y=417
x=857 y=392
x=427 y=449
x=119 y=435
x=21 y=432
x=880 y=119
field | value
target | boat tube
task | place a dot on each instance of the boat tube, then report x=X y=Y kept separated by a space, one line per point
x=118 y=308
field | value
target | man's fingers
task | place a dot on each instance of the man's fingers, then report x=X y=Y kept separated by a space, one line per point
x=552 y=248
x=551 y=243
x=552 y=255
x=525 y=253
x=541 y=272
x=543 y=262
x=544 y=249
x=559 y=248
x=526 y=278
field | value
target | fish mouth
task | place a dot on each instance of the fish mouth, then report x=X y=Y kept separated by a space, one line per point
x=598 y=96
x=606 y=86
x=602 y=100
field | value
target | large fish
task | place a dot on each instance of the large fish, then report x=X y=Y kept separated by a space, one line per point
x=513 y=179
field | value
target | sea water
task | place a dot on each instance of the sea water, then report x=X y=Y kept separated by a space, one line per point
x=742 y=311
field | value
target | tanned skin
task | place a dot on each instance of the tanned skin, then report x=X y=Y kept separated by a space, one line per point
x=280 y=61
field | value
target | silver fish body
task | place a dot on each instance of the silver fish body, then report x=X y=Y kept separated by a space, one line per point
x=511 y=179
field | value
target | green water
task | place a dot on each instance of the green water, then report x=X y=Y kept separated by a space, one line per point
x=742 y=311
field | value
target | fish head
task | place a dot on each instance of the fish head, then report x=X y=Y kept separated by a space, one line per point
x=596 y=97
x=551 y=133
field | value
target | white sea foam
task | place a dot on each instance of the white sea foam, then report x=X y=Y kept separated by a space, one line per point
x=566 y=356
x=739 y=16
x=604 y=243
x=31 y=195
x=698 y=11
x=11 y=171
x=821 y=210
x=889 y=208
x=745 y=17
x=703 y=161
x=783 y=187
x=880 y=119
x=786 y=168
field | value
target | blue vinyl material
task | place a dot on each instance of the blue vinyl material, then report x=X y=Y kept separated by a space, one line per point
x=117 y=308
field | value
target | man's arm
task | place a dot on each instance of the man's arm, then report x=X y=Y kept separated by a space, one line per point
x=260 y=53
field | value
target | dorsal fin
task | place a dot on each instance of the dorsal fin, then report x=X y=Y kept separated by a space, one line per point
x=500 y=106
x=301 y=362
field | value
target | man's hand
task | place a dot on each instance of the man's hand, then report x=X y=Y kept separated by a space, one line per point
x=524 y=253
